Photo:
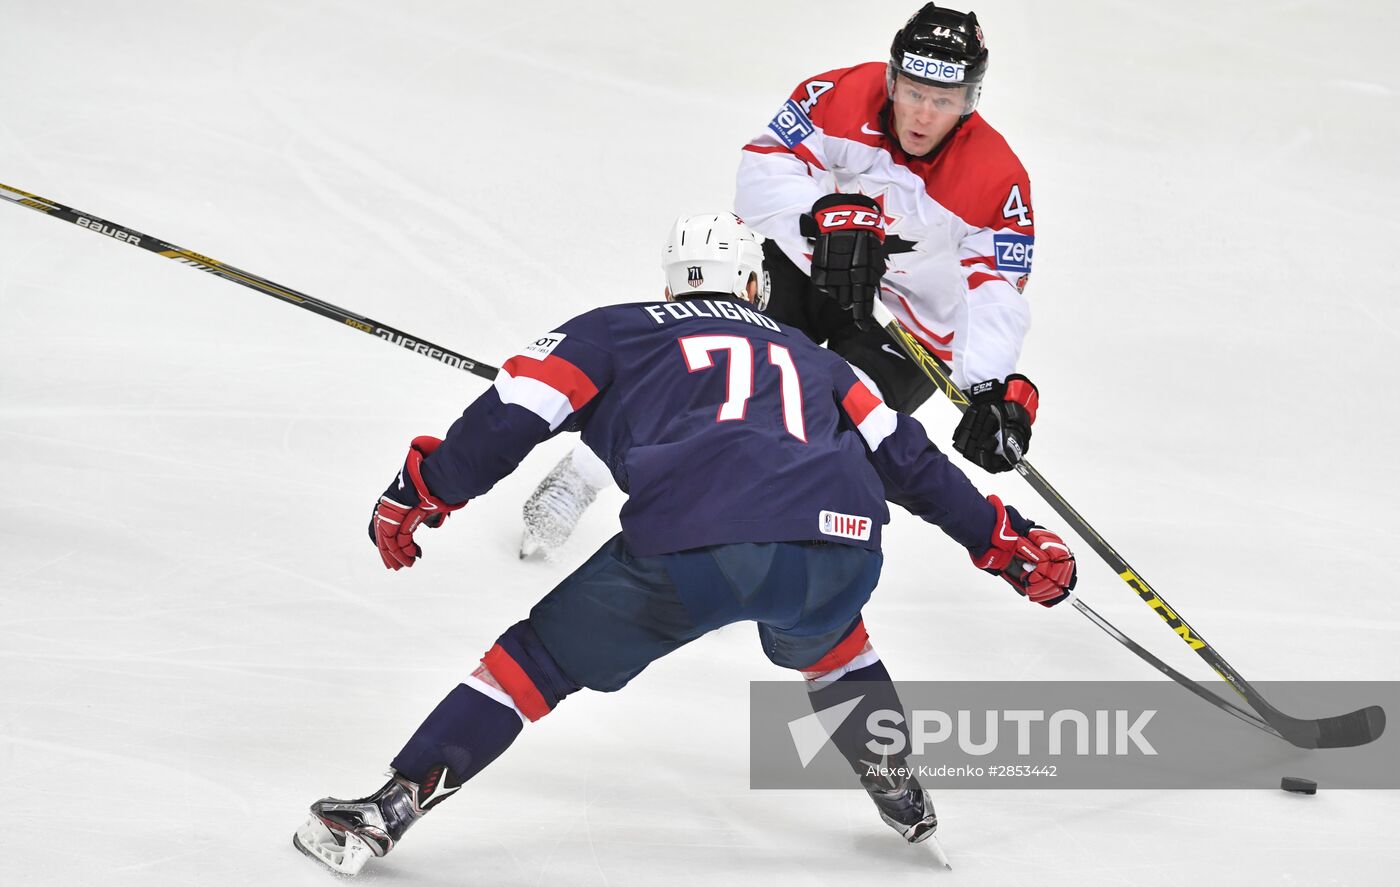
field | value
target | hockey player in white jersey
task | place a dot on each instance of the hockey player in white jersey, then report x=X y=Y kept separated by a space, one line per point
x=908 y=196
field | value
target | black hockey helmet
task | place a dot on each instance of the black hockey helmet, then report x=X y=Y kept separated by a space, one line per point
x=940 y=47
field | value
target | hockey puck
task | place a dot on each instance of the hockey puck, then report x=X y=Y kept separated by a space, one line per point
x=1298 y=785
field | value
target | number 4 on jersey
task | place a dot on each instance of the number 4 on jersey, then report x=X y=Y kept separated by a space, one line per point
x=815 y=88
x=697 y=350
x=1015 y=208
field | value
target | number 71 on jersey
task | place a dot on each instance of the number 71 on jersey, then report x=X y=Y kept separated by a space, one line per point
x=697 y=351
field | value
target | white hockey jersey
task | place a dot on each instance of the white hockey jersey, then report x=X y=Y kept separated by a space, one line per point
x=959 y=228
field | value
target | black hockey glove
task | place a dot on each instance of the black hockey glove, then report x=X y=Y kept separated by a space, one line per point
x=995 y=432
x=848 y=255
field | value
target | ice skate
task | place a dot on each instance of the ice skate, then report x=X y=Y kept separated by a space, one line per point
x=554 y=509
x=908 y=809
x=344 y=835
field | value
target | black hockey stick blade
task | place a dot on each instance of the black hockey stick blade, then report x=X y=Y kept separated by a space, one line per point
x=1340 y=731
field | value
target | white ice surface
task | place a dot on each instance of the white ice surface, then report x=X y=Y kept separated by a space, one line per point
x=196 y=639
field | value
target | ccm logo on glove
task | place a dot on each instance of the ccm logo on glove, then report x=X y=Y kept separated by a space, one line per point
x=848 y=253
x=851 y=217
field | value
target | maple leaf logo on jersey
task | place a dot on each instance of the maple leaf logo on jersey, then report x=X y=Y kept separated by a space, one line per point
x=894 y=244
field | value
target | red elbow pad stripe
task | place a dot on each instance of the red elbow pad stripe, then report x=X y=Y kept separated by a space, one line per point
x=558 y=374
x=859 y=402
x=1023 y=392
x=516 y=682
x=842 y=653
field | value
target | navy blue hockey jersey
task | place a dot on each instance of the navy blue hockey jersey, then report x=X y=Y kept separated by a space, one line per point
x=720 y=424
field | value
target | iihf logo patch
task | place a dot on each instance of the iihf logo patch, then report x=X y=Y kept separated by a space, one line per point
x=847 y=526
x=693 y=276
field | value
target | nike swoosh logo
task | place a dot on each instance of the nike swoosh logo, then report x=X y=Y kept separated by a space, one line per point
x=893 y=350
x=865 y=128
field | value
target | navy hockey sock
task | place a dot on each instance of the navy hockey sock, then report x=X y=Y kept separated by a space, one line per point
x=853 y=738
x=479 y=719
x=467 y=731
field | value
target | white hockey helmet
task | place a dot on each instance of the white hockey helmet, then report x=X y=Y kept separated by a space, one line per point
x=714 y=254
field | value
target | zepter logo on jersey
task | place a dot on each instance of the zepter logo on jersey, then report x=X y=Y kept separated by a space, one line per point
x=933 y=69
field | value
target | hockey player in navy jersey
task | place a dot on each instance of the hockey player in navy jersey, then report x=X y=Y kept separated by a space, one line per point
x=883 y=181
x=757 y=468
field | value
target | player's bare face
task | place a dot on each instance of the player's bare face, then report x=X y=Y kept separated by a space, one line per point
x=923 y=114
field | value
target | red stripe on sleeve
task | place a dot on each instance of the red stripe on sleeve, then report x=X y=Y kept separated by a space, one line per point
x=858 y=402
x=805 y=153
x=980 y=277
x=557 y=373
x=843 y=652
x=940 y=353
x=516 y=682
x=989 y=261
x=768 y=149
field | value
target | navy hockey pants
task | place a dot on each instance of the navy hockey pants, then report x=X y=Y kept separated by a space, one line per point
x=618 y=612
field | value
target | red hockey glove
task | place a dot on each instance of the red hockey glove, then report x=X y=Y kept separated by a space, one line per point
x=995 y=432
x=848 y=256
x=406 y=505
x=1038 y=564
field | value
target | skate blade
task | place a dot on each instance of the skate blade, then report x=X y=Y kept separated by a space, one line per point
x=315 y=840
x=532 y=549
x=936 y=849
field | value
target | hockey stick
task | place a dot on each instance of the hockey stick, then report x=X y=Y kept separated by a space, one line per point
x=1354 y=728
x=252 y=281
x=1340 y=731
x=1146 y=655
